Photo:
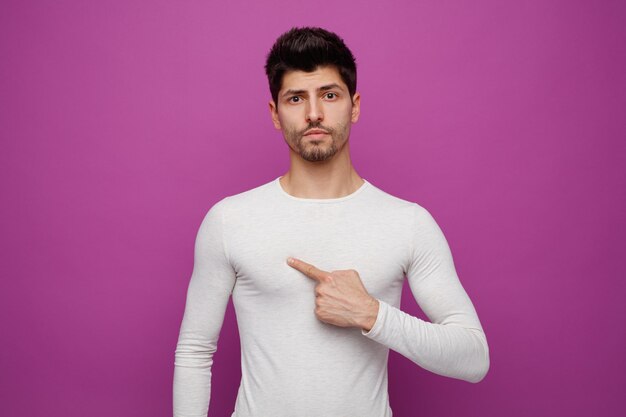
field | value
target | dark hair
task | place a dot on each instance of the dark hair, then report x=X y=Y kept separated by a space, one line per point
x=305 y=49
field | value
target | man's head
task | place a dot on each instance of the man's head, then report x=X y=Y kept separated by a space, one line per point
x=305 y=49
x=312 y=77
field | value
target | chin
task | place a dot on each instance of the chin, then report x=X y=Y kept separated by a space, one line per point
x=317 y=157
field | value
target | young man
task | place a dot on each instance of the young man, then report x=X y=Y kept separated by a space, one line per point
x=315 y=260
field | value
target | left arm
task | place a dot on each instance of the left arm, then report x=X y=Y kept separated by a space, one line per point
x=453 y=344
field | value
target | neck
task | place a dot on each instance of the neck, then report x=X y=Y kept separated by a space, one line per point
x=333 y=178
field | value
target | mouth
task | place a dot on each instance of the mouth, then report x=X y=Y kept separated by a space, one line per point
x=316 y=132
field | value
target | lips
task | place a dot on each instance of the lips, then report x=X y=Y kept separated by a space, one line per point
x=316 y=132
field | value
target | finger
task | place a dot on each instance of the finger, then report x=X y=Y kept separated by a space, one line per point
x=308 y=269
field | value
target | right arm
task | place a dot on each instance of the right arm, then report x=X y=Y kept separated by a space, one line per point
x=210 y=287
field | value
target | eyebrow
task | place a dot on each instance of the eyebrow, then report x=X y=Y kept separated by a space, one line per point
x=322 y=88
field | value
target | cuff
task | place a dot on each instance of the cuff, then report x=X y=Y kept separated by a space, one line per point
x=380 y=318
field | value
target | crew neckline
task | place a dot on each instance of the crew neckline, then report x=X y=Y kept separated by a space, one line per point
x=321 y=200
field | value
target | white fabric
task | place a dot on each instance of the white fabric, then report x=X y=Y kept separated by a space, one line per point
x=294 y=365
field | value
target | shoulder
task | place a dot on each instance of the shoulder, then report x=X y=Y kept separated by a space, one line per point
x=240 y=203
x=252 y=195
x=398 y=205
x=411 y=216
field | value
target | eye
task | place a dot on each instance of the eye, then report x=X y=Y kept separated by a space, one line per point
x=294 y=99
x=330 y=96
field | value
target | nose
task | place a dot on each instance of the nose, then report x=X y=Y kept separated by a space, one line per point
x=314 y=111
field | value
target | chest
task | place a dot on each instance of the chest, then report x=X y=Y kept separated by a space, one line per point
x=328 y=239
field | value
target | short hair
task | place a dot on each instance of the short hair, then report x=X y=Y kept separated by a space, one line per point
x=305 y=49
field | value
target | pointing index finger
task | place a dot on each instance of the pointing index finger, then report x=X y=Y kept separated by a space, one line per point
x=308 y=269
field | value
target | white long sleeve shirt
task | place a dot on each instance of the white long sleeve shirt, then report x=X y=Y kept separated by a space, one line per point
x=294 y=365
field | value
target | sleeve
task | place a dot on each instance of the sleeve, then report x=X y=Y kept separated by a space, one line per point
x=453 y=344
x=209 y=290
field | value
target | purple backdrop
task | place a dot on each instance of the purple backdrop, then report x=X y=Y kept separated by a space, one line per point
x=122 y=122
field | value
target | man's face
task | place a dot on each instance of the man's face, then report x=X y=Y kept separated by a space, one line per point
x=315 y=112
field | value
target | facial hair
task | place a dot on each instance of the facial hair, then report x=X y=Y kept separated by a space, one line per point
x=312 y=152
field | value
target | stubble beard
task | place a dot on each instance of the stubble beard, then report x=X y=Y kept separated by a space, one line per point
x=315 y=151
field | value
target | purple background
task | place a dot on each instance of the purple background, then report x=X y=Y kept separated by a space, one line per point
x=122 y=122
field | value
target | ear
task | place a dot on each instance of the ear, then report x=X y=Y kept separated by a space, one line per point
x=274 y=114
x=356 y=107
